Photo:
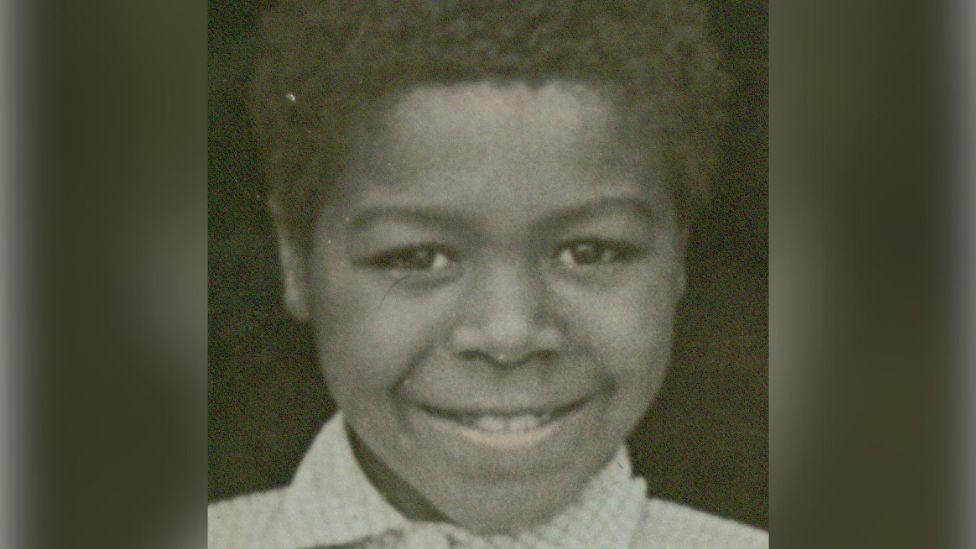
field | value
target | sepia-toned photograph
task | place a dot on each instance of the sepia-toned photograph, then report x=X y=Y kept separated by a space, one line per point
x=488 y=274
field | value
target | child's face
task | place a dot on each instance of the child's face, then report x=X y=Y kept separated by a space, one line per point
x=494 y=293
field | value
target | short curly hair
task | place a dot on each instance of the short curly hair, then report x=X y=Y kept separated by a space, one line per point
x=323 y=63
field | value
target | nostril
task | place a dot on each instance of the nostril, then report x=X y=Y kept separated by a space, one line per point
x=546 y=355
x=504 y=359
x=472 y=355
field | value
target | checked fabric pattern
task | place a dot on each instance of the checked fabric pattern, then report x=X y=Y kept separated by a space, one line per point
x=331 y=503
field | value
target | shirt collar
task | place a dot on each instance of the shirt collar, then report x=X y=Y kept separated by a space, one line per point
x=331 y=502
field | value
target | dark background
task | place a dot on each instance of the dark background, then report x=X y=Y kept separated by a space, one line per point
x=705 y=440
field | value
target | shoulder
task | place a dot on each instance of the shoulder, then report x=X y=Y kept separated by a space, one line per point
x=242 y=521
x=668 y=524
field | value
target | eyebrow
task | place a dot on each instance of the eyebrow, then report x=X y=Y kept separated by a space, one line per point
x=586 y=212
x=460 y=222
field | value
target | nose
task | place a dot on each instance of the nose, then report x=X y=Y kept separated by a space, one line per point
x=506 y=318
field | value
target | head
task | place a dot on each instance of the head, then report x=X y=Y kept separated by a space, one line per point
x=482 y=212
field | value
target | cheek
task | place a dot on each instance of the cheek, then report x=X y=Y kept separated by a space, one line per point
x=630 y=327
x=370 y=335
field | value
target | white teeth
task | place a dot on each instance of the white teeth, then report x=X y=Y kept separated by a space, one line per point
x=491 y=424
x=524 y=423
x=497 y=424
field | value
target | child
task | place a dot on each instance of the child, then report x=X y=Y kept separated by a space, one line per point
x=482 y=210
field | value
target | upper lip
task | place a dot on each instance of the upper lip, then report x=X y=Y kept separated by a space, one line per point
x=510 y=411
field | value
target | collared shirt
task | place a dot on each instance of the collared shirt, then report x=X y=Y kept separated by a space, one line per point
x=331 y=503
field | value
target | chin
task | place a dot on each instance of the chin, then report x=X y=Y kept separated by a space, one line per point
x=513 y=507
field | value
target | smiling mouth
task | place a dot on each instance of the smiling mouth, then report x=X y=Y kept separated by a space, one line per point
x=502 y=422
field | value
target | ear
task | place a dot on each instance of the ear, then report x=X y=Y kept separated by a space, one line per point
x=681 y=282
x=295 y=277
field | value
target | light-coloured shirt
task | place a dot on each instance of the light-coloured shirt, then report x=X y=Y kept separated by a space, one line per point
x=330 y=502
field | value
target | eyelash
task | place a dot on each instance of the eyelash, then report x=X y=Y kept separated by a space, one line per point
x=579 y=254
x=413 y=259
x=602 y=252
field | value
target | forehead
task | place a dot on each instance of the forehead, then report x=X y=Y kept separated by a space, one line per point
x=559 y=114
x=557 y=142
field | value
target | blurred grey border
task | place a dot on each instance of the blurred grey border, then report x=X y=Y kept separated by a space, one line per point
x=868 y=375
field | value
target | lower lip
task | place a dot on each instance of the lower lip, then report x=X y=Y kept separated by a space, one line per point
x=503 y=441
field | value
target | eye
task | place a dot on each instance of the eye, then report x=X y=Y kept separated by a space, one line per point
x=414 y=258
x=587 y=253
